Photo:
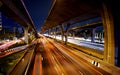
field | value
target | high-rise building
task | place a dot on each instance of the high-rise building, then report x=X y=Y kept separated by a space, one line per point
x=0 y=21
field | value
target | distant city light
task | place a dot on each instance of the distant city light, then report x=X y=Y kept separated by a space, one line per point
x=23 y=38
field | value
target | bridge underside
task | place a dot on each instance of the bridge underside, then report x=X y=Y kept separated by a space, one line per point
x=64 y=10
x=67 y=12
x=17 y=11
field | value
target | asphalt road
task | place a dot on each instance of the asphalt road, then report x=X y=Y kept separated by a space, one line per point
x=59 y=60
x=21 y=66
x=54 y=58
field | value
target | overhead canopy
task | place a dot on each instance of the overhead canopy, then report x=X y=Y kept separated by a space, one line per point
x=64 y=10
x=16 y=10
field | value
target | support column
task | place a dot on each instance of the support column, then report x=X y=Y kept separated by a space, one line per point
x=93 y=35
x=102 y=36
x=62 y=33
x=116 y=16
x=48 y=32
x=52 y=32
x=66 y=33
x=32 y=35
x=55 y=32
x=26 y=34
x=73 y=33
x=66 y=37
x=109 y=47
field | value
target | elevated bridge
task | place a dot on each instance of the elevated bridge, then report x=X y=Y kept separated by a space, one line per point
x=62 y=57
x=16 y=10
x=64 y=13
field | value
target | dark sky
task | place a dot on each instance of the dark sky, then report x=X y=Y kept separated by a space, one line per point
x=9 y=23
x=38 y=10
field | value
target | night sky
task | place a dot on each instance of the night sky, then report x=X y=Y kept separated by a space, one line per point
x=38 y=10
x=9 y=23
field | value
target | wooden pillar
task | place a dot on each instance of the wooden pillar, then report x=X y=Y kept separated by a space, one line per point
x=108 y=25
